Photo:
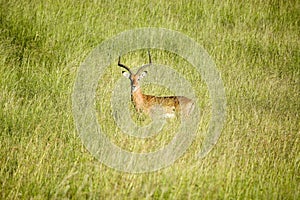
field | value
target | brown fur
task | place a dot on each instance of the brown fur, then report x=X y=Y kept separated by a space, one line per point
x=171 y=104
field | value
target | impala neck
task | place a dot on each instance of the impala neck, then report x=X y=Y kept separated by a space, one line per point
x=138 y=98
x=137 y=94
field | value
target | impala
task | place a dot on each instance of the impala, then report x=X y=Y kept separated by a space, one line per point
x=147 y=103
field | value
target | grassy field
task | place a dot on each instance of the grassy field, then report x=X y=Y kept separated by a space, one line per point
x=256 y=48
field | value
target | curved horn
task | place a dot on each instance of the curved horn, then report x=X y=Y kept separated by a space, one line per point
x=147 y=65
x=121 y=65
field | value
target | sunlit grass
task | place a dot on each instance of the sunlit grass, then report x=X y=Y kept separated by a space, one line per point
x=255 y=46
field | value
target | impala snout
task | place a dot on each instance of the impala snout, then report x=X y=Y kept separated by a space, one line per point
x=134 y=88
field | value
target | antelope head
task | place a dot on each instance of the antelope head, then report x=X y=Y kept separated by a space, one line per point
x=135 y=77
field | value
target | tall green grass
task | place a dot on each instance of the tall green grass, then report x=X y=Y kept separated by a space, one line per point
x=256 y=48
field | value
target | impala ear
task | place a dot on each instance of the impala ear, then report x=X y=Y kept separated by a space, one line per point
x=126 y=74
x=143 y=74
